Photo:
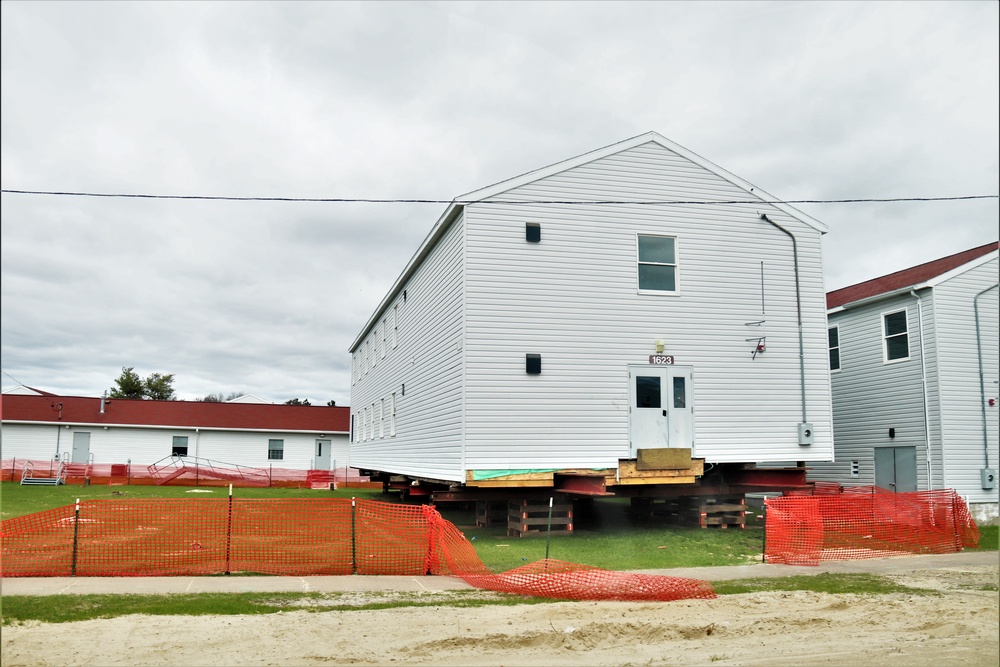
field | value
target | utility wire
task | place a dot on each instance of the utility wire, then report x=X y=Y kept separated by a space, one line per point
x=349 y=200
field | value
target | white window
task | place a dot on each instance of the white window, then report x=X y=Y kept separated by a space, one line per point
x=395 y=326
x=657 y=266
x=833 y=337
x=392 y=416
x=375 y=345
x=364 y=424
x=179 y=447
x=381 y=420
x=895 y=336
x=275 y=449
x=373 y=421
x=385 y=335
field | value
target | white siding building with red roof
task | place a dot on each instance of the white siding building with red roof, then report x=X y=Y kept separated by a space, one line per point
x=914 y=371
x=38 y=425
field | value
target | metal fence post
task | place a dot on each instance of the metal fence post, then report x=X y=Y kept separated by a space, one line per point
x=354 y=548
x=229 y=528
x=548 y=535
x=763 y=552
x=76 y=536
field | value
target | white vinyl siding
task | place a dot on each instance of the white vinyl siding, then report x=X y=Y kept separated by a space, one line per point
x=147 y=445
x=424 y=371
x=573 y=300
x=870 y=396
x=959 y=385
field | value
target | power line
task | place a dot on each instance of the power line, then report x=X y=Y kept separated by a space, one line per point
x=350 y=200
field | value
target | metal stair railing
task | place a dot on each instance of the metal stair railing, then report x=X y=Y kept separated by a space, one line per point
x=27 y=471
x=173 y=466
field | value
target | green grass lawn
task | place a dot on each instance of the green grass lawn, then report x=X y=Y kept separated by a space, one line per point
x=17 y=500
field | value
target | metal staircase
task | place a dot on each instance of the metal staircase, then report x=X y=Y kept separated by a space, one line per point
x=31 y=477
x=172 y=467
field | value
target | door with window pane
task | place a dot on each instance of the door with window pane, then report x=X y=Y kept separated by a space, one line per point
x=321 y=461
x=660 y=408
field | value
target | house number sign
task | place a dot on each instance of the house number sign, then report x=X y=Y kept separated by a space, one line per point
x=661 y=359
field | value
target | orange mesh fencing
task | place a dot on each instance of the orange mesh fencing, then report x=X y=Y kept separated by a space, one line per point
x=453 y=554
x=865 y=522
x=292 y=537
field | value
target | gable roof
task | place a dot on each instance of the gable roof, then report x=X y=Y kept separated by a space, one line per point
x=492 y=191
x=25 y=390
x=907 y=278
x=55 y=409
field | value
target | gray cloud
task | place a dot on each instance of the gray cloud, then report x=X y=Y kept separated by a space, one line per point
x=429 y=100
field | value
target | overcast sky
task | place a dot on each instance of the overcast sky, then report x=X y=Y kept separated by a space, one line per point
x=409 y=100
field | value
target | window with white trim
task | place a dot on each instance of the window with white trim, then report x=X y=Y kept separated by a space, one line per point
x=179 y=446
x=895 y=336
x=384 y=345
x=657 y=263
x=833 y=339
x=381 y=420
x=392 y=416
x=275 y=449
x=395 y=326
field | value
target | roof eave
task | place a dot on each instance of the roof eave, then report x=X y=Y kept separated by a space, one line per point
x=437 y=231
x=532 y=176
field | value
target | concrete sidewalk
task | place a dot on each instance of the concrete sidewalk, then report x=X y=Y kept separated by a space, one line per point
x=239 y=584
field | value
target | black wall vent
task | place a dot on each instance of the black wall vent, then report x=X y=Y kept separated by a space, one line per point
x=532 y=232
x=533 y=364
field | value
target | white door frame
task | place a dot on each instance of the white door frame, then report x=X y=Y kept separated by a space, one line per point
x=661 y=407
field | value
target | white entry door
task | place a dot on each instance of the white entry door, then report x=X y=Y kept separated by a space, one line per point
x=322 y=460
x=660 y=407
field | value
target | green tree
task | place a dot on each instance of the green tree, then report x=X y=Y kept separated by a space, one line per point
x=159 y=387
x=298 y=401
x=128 y=385
x=156 y=387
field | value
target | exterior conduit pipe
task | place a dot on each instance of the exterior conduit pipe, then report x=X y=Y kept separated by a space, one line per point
x=923 y=384
x=982 y=384
x=798 y=308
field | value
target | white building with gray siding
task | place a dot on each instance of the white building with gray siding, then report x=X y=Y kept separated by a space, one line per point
x=615 y=301
x=915 y=370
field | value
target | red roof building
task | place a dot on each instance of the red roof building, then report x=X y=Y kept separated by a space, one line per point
x=43 y=427
x=905 y=279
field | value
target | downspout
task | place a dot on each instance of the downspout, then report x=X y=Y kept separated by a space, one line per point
x=982 y=383
x=923 y=384
x=798 y=309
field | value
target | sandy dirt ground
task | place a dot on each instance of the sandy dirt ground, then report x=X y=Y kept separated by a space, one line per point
x=957 y=627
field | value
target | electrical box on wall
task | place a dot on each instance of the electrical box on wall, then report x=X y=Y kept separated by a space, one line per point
x=805 y=433
x=989 y=478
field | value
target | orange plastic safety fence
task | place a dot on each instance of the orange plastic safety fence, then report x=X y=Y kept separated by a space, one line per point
x=327 y=536
x=865 y=522
x=555 y=578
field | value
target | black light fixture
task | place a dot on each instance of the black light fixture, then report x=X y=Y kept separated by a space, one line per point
x=532 y=232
